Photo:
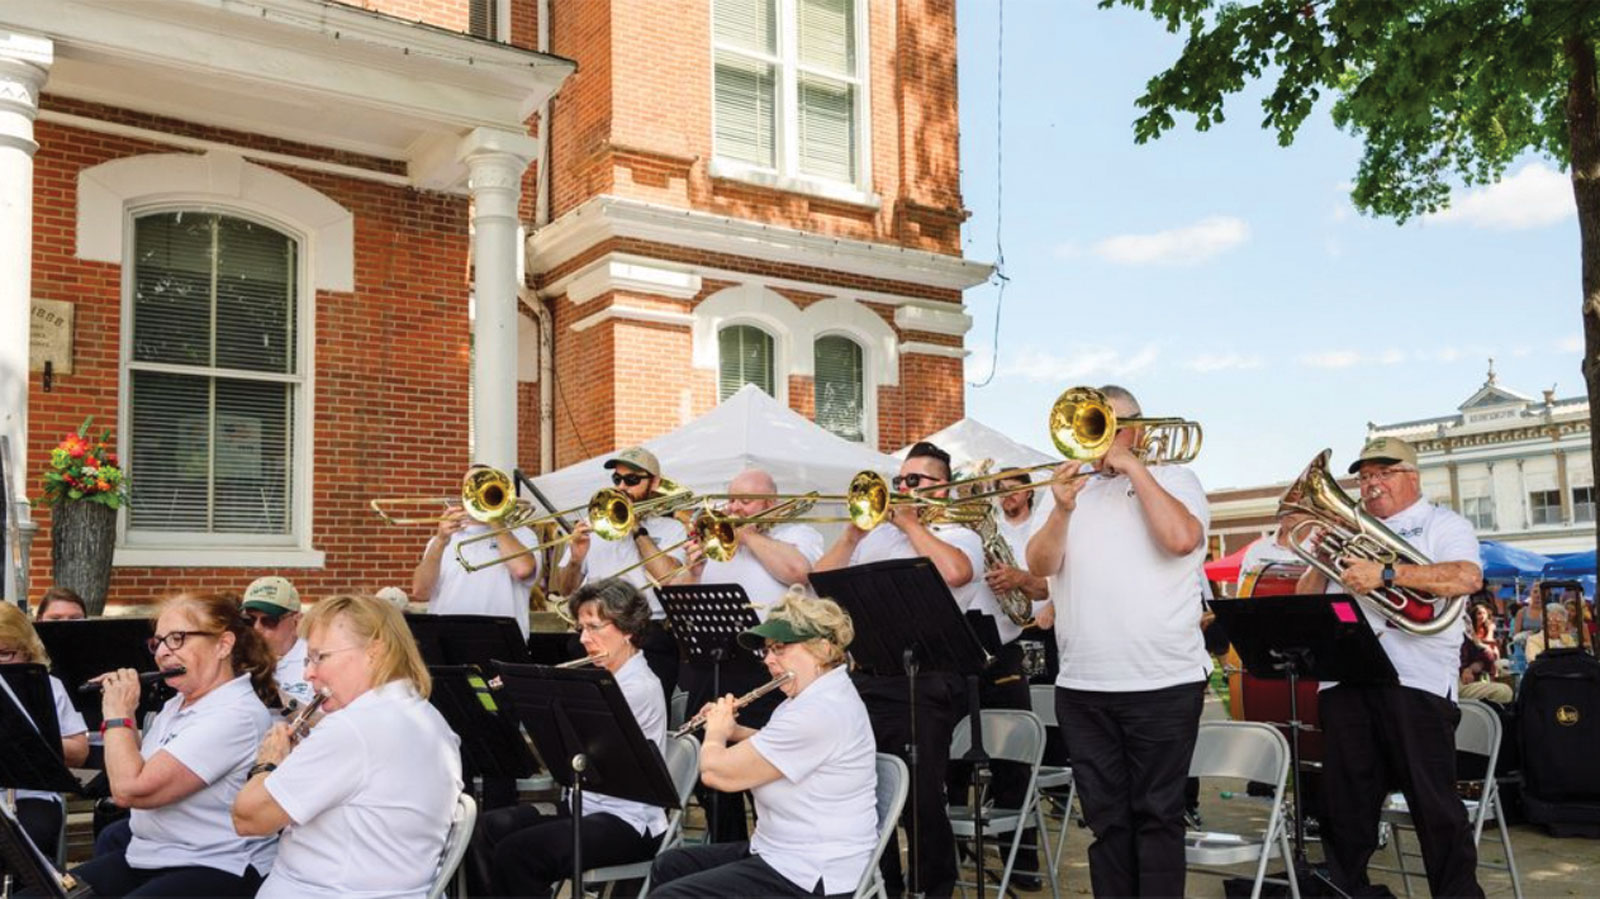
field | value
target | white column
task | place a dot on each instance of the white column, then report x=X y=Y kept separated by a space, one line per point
x=495 y=163
x=24 y=62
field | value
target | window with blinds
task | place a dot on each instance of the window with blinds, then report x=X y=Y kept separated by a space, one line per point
x=787 y=85
x=483 y=19
x=840 y=379
x=214 y=377
x=744 y=354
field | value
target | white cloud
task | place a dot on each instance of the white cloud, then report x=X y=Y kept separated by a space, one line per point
x=1066 y=250
x=1572 y=344
x=1188 y=245
x=1078 y=364
x=1532 y=197
x=1350 y=358
x=1223 y=362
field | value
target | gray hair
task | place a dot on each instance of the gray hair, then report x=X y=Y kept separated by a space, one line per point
x=1113 y=393
x=617 y=601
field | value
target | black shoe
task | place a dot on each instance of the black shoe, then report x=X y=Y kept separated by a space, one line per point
x=1192 y=820
x=1026 y=881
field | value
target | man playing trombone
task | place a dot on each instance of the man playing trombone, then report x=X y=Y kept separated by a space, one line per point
x=771 y=557
x=637 y=473
x=498 y=590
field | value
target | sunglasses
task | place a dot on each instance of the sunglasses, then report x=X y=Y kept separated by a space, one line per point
x=632 y=480
x=267 y=621
x=914 y=480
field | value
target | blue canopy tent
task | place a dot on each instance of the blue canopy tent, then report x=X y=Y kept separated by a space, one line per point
x=1571 y=565
x=1503 y=562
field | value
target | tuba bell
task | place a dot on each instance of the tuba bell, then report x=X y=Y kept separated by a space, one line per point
x=1333 y=527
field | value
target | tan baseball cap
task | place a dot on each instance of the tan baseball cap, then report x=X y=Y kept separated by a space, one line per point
x=272 y=595
x=1388 y=450
x=637 y=457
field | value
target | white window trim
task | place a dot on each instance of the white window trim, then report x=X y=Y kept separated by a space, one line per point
x=869 y=382
x=787 y=175
x=181 y=549
x=780 y=352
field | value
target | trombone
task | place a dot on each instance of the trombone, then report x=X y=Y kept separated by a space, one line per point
x=610 y=513
x=487 y=495
x=718 y=532
x=1082 y=426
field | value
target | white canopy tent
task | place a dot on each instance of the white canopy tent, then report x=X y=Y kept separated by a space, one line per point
x=747 y=430
x=968 y=441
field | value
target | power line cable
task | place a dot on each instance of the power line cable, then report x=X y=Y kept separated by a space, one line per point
x=999 y=276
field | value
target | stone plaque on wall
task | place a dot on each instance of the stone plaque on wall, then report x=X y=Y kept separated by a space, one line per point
x=50 y=336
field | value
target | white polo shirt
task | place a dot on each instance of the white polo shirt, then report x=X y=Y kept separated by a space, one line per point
x=487 y=591
x=370 y=791
x=820 y=820
x=643 y=692
x=290 y=673
x=69 y=721
x=1128 y=611
x=607 y=557
x=747 y=571
x=1432 y=663
x=889 y=542
x=216 y=738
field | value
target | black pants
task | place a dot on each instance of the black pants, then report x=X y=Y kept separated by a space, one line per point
x=1378 y=739
x=1130 y=758
x=724 y=870
x=521 y=851
x=41 y=821
x=725 y=812
x=110 y=874
x=940 y=700
x=1002 y=686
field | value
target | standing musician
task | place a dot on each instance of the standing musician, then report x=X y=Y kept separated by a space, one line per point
x=522 y=851
x=636 y=472
x=1016 y=526
x=39 y=811
x=272 y=605
x=1123 y=551
x=180 y=778
x=812 y=769
x=956 y=551
x=1379 y=736
x=367 y=796
x=769 y=560
x=501 y=590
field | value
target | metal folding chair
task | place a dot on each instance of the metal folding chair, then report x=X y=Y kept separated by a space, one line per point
x=1249 y=751
x=894 y=781
x=683 y=763
x=455 y=846
x=1009 y=735
x=1054 y=779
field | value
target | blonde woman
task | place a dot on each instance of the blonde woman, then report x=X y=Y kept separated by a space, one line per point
x=812 y=770
x=368 y=794
x=40 y=812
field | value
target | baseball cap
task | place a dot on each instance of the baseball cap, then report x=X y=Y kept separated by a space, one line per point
x=1389 y=450
x=638 y=457
x=272 y=595
x=778 y=631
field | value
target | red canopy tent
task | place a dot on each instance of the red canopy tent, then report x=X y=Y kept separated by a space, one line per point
x=1226 y=569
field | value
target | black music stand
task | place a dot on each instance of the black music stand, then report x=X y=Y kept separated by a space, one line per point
x=467 y=639
x=588 y=739
x=1321 y=636
x=22 y=864
x=87 y=648
x=492 y=745
x=906 y=619
x=29 y=761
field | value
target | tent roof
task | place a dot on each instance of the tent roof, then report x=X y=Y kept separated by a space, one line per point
x=1502 y=560
x=969 y=440
x=1227 y=567
x=747 y=430
x=1571 y=564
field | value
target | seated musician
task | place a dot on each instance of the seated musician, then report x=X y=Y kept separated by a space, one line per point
x=61 y=604
x=180 y=778
x=525 y=851
x=812 y=769
x=40 y=812
x=367 y=796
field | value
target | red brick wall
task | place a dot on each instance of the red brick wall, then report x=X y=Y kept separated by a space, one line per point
x=391 y=367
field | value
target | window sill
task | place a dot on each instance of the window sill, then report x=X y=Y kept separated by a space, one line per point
x=216 y=557
x=822 y=188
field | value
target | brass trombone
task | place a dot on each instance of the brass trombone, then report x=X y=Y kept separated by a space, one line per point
x=718 y=532
x=487 y=495
x=610 y=513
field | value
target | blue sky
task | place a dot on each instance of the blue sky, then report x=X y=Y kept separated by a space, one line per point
x=1224 y=278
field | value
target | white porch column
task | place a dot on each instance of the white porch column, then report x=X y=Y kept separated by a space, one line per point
x=24 y=62
x=495 y=163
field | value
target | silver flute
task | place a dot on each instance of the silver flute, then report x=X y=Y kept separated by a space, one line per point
x=699 y=720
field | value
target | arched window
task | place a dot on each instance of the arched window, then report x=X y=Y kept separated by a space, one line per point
x=744 y=356
x=839 y=376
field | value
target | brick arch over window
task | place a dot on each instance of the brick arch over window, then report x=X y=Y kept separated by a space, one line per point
x=751 y=304
x=848 y=317
x=108 y=190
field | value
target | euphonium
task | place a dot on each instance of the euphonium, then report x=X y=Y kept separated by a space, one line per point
x=997 y=552
x=1336 y=528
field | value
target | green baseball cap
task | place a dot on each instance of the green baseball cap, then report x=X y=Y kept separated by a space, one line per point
x=777 y=630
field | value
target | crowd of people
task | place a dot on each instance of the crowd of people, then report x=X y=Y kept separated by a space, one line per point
x=227 y=798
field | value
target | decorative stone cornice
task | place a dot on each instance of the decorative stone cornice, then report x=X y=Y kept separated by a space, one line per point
x=932 y=321
x=934 y=349
x=25 y=62
x=611 y=274
x=634 y=313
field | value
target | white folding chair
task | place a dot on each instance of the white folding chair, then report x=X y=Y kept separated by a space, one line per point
x=683 y=763
x=1054 y=779
x=455 y=846
x=1249 y=751
x=1009 y=735
x=1478 y=733
x=894 y=781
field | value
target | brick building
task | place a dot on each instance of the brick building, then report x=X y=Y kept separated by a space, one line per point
x=302 y=253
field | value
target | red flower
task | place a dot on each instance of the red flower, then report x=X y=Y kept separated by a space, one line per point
x=101 y=485
x=76 y=450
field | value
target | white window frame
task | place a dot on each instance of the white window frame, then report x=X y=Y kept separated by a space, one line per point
x=869 y=382
x=780 y=362
x=786 y=64
x=174 y=548
x=1578 y=504
x=1473 y=516
x=1535 y=509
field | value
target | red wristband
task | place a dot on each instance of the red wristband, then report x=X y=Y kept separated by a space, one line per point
x=115 y=722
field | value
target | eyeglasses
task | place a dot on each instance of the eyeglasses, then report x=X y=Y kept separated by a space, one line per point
x=1367 y=477
x=914 y=480
x=174 y=639
x=267 y=621
x=632 y=480
x=773 y=649
x=314 y=658
x=596 y=627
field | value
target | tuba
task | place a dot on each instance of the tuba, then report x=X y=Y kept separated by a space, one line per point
x=1337 y=528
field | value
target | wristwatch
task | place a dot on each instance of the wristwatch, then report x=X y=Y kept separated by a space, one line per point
x=640 y=532
x=261 y=768
x=1388 y=575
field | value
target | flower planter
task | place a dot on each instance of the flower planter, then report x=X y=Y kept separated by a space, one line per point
x=82 y=537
